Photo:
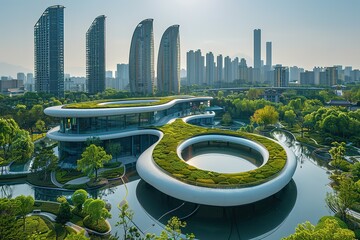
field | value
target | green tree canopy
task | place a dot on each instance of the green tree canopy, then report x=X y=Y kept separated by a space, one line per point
x=290 y=117
x=92 y=159
x=15 y=144
x=78 y=198
x=265 y=116
x=9 y=209
x=25 y=205
x=22 y=147
x=328 y=230
x=45 y=161
x=64 y=214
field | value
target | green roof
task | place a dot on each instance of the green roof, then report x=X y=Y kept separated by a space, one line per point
x=165 y=156
x=98 y=103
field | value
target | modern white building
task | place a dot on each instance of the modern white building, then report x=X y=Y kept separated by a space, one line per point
x=116 y=123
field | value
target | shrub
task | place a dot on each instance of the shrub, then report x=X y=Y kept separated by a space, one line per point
x=341 y=223
x=100 y=226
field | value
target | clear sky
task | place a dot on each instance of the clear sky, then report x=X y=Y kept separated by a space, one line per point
x=304 y=33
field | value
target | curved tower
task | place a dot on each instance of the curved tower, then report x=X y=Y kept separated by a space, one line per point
x=141 y=59
x=168 y=67
x=95 y=56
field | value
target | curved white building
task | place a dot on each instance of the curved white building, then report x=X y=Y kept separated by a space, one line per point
x=141 y=59
x=158 y=178
x=117 y=125
x=168 y=66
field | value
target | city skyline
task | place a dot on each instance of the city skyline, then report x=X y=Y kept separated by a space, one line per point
x=304 y=34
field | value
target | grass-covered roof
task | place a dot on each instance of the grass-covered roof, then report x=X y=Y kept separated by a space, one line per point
x=165 y=156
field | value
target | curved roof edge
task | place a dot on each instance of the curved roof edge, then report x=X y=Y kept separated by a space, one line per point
x=58 y=111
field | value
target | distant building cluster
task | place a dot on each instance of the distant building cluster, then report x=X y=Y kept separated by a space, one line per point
x=203 y=71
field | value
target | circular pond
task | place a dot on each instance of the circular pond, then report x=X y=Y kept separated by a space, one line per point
x=222 y=156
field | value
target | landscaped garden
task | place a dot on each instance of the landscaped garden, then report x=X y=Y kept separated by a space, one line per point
x=166 y=157
x=118 y=104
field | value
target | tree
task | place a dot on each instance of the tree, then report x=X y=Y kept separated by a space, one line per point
x=25 y=206
x=8 y=130
x=290 y=117
x=226 y=119
x=92 y=159
x=355 y=171
x=125 y=219
x=40 y=125
x=254 y=93
x=9 y=208
x=114 y=149
x=328 y=230
x=97 y=210
x=64 y=214
x=265 y=116
x=337 y=153
x=343 y=198
x=173 y=230
x=45 y=161
x=78 y=198
x=22 y=147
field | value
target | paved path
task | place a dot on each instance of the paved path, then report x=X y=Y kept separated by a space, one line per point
x=54 y=181
x=80 y=180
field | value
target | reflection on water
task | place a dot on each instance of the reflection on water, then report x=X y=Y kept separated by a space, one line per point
x=272 y=218
x=209 y=222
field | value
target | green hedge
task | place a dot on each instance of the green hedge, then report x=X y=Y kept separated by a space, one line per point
x=166 y=158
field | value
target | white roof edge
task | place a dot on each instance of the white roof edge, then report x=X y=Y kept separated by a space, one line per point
x=58 y=111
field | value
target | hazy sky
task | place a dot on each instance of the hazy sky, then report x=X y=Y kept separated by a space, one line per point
x=305 y=33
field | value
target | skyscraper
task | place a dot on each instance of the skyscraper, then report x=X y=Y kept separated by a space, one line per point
x=210 y=69
x=49 y=51
x=199 y=68
x=190 y=67
x=141 y=59
x=281 y=76
x=95 y=56
x=122 y=75
x=219 y=68
x=168 y=67
x=257 y=55
x=235 y=69
x=227 y=69
x=268 y=55
x=257 y=48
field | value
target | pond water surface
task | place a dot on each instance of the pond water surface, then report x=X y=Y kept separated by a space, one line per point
x=272 y=218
